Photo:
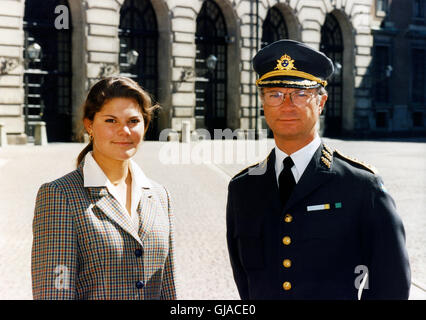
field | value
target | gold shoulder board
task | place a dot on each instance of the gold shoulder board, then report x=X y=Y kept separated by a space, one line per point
x=356 y=162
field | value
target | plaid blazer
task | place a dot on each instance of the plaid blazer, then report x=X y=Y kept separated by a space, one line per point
x=84 y=249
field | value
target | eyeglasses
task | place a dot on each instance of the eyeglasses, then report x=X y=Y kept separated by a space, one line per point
x=298 y=97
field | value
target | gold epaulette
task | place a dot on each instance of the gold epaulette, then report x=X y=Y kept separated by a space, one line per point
x=327 y=156
x=356 y=162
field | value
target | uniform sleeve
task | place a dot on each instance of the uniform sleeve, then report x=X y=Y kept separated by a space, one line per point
x=238 y=271
x=389 y=275
x=54 y=262
x=169 y=285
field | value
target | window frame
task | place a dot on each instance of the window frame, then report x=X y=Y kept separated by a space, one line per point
x=380 y=12
x=414 y=68
x=389 y=46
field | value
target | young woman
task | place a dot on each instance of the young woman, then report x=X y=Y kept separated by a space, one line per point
x=105 y=231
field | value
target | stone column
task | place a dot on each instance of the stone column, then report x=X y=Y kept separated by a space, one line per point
x=246 y=10
x=186 y=131
x=3 y=138
x=363 y=114
x=183 y=67
x=103 y=18
x=40 y=135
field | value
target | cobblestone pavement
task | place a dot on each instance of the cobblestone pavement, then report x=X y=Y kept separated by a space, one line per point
x=199 y=196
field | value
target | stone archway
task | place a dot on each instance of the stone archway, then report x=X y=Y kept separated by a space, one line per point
x=48 y=79
x=279 y=23
x=293 y=25
x=233 y=69
x=79 y=63
x=211 y=66
x=274 y=27
x=138 y=32
x=332 y=46
x=164 y=93
x=348 y=89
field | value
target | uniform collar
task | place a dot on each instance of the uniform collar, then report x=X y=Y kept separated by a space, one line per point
x=301 y=158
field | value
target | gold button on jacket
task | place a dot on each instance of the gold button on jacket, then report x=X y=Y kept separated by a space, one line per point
x=286 y=285
x=286 y=240
x=287 y=263
x=288 y=218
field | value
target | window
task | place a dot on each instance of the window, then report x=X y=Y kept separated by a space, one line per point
x=382 y=6
x=381 y=120
x=274 y=27
x=382 y=73
x=418 y=119
x=418 y=75
x=419 y=9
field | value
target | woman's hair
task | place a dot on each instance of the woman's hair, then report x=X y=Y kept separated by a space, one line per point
x=115 y=87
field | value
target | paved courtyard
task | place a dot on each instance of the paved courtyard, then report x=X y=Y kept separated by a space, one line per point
x=199 y=196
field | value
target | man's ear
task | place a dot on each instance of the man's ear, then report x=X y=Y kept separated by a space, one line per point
x=323 y=100
x=88 y=124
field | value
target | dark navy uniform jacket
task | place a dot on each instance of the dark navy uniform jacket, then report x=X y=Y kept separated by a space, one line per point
x=338 y=224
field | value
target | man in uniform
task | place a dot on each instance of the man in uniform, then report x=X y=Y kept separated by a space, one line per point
x=309 y=222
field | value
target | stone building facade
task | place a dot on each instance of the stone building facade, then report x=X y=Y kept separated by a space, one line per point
x=194 y=57
x=399 y=67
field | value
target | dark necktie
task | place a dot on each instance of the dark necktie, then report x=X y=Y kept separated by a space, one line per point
x=286 y=180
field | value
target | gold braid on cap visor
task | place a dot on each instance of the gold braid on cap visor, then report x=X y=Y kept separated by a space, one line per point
x=294 y=73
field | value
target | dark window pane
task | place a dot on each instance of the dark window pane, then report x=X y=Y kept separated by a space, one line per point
x=418 y=119
x=381 y=120
x=381 y=79
x=274 y=27
x=418 y=75
x=210 y=87
x=382 y=5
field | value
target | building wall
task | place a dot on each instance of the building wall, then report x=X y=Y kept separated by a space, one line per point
x=11 y=43
x=398 y=29
x=95 y=46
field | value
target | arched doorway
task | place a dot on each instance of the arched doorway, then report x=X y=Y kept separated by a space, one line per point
x=211 y=68
x=332 y=46
x=274 y=27
x=138 y=31
x=47 y=80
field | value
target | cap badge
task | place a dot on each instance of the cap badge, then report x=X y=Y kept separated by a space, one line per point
x=285 y=63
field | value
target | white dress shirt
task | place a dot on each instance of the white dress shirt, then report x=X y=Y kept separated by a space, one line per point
x=301 y=158
x=95 y=177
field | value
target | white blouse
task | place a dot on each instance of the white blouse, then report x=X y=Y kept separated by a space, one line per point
x=95 y=177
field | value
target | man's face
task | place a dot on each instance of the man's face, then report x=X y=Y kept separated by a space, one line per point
x=293 y=120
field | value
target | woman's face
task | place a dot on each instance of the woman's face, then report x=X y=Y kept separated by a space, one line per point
x=117 y=129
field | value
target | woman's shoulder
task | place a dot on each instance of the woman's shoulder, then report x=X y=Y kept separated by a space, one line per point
x=157 y=187
x=71 y=180
x=160 y=190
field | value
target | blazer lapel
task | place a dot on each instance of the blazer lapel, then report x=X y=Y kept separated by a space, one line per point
x=147 y=210
x=317 y=173
x=112 y=209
